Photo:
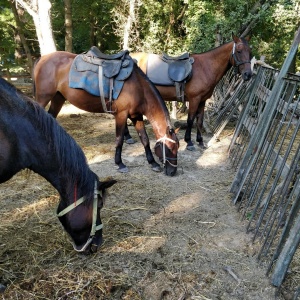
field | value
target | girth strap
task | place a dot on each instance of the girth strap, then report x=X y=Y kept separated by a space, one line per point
x=101 y=88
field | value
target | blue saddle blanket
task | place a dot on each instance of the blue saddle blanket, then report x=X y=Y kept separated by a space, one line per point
x=84 y=75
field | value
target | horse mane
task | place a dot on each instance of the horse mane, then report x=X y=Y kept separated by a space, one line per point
x=155 y=91
x=217 y=48
x=72 y=159
x=214 y=49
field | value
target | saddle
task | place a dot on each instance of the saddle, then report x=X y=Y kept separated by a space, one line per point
x=177 y=69
x=101 y=74
x=180 y=67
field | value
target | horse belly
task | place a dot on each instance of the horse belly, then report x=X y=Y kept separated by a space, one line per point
x=168 y=93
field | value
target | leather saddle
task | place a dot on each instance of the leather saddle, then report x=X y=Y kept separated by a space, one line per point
x=180 y=67
x=114 y=65
x=101 y=74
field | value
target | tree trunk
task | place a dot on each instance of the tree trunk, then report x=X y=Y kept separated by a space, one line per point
x=128 y=25
x=258 y=7
x=69 y=26
x=40 y=12
x=22 y=37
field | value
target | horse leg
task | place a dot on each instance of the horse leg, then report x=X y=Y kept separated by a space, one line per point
x=187 y=137
x=56 y=104
x=127 y=136
x=140 y=128
x=200 y=118
x=120 y=129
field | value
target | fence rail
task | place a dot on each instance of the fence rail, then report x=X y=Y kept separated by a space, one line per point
x=265 y=153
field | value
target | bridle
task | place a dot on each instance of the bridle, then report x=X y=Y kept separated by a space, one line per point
x=163 y=145
x=95 y=227
x=237 y=63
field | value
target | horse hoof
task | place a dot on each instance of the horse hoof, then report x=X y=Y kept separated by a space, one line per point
x=130 y=141
x=123 y=170
x=191 y=148
x=2 y=288
x=202 y=147
x=156 y=169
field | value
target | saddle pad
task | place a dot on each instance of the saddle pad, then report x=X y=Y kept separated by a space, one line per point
x=157 y=70
x=85 y=76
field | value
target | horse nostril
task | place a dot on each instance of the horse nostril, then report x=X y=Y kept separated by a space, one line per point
x=94 y=248
x=247 y=76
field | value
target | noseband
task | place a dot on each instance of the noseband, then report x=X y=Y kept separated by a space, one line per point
x=95 y=228
x=237 y=63
x=163 y=144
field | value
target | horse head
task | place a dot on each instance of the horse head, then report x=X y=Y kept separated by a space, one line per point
x=81 y=218
x=241 y=56
x=166 y=149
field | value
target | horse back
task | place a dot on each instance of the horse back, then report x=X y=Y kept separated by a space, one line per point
x=53 y=65
x=141 y=59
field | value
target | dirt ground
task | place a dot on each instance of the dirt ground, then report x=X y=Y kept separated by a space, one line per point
x=165 y=237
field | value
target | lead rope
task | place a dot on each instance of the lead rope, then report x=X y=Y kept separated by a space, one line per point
x=166 y=159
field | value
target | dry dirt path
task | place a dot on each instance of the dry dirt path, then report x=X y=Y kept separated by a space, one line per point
x=165 y=238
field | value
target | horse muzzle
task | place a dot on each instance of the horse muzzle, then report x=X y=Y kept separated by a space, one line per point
x=170 y=169
x=91 y=246
x=247 y=75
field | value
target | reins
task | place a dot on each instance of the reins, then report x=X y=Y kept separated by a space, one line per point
x=165 y=158
x=95 y=227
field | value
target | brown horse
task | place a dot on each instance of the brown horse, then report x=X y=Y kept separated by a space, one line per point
x=207 y=70
x=138 y=97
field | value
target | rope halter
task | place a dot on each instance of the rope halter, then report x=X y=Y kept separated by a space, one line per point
x=165 y=158
x=95 y=227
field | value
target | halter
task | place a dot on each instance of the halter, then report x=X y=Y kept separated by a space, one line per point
x=165 y=158
x=237 y=63
x=95 y=227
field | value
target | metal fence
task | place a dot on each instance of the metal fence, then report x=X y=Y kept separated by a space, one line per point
x=265 y=153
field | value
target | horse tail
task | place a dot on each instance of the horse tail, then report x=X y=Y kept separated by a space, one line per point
x=33 y=81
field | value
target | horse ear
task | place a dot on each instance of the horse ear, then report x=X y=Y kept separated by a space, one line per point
x=177 y=130
x=235 y=38
x=248 y=38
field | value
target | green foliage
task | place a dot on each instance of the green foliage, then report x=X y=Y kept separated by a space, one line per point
x=172 y=26
x=275 y=31
x=92 y=25
x=7 y=45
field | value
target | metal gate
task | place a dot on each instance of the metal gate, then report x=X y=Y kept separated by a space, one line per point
x=265 y=152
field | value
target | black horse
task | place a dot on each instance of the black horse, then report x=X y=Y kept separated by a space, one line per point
x=31 y=139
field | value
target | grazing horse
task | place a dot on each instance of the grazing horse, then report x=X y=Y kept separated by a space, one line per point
x=32 y=139
x=207 y=70
x=138 y=97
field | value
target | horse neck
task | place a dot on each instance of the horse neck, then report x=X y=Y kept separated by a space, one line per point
x=70 y=188
x=155 y=109
x=159 y=118
x=65 y=168
x=221 y=58
x=159 y=123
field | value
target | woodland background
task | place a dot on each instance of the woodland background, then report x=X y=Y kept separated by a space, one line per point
x=30 y=28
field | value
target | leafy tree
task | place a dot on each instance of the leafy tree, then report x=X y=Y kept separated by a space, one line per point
x=173 y=26
x=40 y=12
x=7 y=34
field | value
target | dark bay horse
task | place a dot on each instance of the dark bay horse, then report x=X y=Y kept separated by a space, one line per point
x=207 y=70
x=31 y=139
x=138 y=97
